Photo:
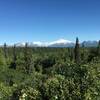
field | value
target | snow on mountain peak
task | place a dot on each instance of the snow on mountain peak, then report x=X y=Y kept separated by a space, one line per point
x=45 y=44
x=21 y=44
x=38 y=43
x=60 y=41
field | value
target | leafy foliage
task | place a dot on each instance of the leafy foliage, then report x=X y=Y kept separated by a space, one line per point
x=49 y=73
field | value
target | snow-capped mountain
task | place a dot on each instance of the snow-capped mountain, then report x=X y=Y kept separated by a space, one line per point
x=22 y=44
x=60 y=42
x=57 y=43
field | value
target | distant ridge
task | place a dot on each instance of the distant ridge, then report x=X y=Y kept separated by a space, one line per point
x=60 y=42
x=57 y=43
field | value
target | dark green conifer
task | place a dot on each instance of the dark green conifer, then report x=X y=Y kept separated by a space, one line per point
x=77 y=51
x=98 y=49
x=5 y=50
x=83 y=52
x=13 y=63
x=28 y=59
x=14 y=55
x=71 y=54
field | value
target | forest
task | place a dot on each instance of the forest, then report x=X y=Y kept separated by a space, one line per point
x=50 y=73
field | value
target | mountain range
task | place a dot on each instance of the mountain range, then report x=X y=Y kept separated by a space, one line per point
x=58 y=43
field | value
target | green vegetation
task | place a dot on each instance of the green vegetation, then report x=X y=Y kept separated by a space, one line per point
x=33 y=73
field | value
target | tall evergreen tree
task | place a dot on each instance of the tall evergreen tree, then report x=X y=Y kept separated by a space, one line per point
x=14 y=55
x=83 y=54
x=77 y=51
x=5 y=50
x=71 y=54
x=98 y=49
x=13 y=63
x=27 y=59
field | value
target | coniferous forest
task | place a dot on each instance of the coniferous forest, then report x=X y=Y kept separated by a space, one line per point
x=48 y=73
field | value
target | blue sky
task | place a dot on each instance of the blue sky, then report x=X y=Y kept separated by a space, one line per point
x=48 y=20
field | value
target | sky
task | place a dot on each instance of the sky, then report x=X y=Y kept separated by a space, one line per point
x=49 y=20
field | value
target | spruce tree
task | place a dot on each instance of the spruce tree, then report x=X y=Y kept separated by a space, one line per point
x=27 y=59
x=13 y=63
x=98 y=49
x=5 y=50
x=83 y=50
x=77 y=51
x=14 y=55
x=71 y=54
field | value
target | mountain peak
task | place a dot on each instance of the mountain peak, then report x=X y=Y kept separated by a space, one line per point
x=46 y=44
x=60 y=41
x=63 y=40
